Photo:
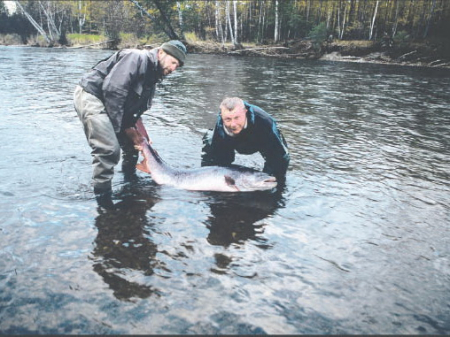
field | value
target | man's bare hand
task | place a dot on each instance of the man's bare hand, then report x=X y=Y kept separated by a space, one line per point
x=134 y=135
x=141 y=128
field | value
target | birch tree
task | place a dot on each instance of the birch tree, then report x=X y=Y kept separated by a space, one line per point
x=81 y=15
x=53 y=33
x=394 y=26
x=329 y=15
x=230 y=27
x=33 y=22
x=180 y=16
x=275 y=35
x=166 y=25
x=219 y=29
x=308 y=7
x=249 y=21
x=236 y=39
x=344 y=18
x=373 y=20
x=339 y=21
x=261 y=19
x=49 y=11
x=430 y=17
x=113 y=21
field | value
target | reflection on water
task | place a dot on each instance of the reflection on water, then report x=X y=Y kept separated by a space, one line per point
x=356 y=242
x=124 y=243
x=234 y=218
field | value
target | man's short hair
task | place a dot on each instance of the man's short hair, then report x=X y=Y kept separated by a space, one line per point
x=231 y=103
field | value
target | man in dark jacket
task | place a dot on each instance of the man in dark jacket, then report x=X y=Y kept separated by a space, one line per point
x=110 y=100
x=247 y=129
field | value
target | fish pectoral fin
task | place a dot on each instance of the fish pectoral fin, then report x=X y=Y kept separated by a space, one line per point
x=142 y=166
x=230 y=182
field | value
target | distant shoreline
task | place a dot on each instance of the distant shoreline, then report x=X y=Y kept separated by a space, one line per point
x=412 y=55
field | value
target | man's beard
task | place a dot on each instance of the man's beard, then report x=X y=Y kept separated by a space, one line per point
x=160 y=71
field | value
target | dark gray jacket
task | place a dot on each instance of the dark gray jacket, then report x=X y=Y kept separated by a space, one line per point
x=125 y=82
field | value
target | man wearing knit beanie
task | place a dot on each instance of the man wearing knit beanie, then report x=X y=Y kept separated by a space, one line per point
x=110 y=100
x=176 y=49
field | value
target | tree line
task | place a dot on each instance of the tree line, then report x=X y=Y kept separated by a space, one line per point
x=256 y=21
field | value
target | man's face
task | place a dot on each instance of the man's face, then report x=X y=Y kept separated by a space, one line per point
x=167 y=62
x=234 y=120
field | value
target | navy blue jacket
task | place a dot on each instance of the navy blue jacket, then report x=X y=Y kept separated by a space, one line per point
x=261 y=135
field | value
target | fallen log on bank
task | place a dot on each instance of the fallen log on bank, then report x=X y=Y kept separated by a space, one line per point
x=255 y=50
x=90 y=45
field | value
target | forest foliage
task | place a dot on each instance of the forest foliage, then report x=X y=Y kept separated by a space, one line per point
x=228 y=21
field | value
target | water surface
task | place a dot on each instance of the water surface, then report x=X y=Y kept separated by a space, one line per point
x=357 y=242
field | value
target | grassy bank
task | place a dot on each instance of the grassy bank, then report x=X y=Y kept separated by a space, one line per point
x=79 y=40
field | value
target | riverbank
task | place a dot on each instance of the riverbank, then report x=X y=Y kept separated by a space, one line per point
x=425 y=54
x=435 y=54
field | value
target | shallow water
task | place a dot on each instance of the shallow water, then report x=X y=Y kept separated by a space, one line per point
x=356 y=243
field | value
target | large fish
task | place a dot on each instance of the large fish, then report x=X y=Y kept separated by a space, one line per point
x=207 y=178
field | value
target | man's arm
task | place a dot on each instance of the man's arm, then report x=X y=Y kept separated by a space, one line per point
x=137 y=133
x=276 y=154
x=214 y=151
x=117 y=84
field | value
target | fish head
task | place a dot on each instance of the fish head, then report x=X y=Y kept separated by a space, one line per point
x=255 y=181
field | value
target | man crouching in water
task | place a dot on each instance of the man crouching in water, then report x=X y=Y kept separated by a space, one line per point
x=110 y=100
x=247 y=129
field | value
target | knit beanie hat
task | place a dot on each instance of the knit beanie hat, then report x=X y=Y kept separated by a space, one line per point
x=176 y=49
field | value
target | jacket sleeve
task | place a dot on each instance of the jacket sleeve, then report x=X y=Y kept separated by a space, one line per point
x=276 y=153
x=215 y=151
x=117 y=85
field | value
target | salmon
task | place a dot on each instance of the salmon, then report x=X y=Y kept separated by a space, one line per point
x=207 y=178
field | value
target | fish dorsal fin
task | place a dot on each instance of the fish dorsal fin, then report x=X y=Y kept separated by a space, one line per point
x=230 y=182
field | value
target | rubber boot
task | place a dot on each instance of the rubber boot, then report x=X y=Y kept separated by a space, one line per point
x=129 y=166
x=104 y=198
x=130 y=157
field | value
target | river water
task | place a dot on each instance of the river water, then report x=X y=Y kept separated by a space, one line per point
x=357 y=242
